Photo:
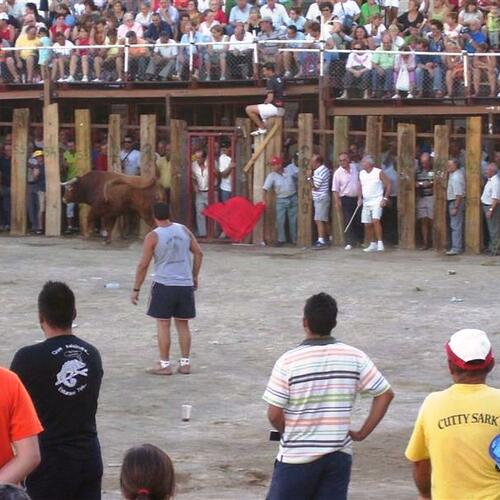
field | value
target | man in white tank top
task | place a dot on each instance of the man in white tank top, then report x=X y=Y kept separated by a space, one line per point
x=375 y=191
x=174 y=283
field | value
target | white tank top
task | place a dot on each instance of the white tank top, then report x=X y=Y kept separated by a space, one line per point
x=372 y=186
x=172 y=256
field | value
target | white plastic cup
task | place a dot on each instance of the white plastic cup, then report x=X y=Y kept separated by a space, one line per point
x=186 y=412
x=112 y=285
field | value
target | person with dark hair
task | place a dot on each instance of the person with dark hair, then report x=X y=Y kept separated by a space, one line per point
x=273 y=104
x=147 y=474
x=63 y=377
x=174 y=283
x=311 y=393
x=456 y=427
x=12 y=492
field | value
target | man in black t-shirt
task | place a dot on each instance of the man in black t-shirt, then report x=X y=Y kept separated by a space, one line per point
x=63 y=377
x=273 y=104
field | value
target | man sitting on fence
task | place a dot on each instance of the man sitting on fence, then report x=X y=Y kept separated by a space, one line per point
x=273 y=104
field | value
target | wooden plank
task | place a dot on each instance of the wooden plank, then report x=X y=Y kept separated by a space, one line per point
x=441 y=147
x=414 y=109
x=259 y=176
x=83 y=159
x=114 y=142
x=274 y=148
x=241 y=155
x=148 y=158
x=20 y=125
x=373 y=144
x=406 y=185
x=340 y=144
x=473 y=216
x=52 y=171
x=274 y=129
x=179 y=164
x=305 y=208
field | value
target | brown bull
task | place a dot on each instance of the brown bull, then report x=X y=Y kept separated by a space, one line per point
x=111 y=195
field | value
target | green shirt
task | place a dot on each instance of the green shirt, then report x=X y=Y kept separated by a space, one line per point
x=70 y=159
x=367 y=12
x=385 y=61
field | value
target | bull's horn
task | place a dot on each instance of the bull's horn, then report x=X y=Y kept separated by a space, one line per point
x=71 y=181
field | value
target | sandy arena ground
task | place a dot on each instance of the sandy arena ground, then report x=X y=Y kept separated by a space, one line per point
x=395 y=306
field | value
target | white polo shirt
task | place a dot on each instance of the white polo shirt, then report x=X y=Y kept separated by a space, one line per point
x=491 y=190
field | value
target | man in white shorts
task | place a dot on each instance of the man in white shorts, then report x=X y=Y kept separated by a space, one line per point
x=273 y=104
x=375 y=191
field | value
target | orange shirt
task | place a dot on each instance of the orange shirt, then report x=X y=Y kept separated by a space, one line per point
x=18 y=418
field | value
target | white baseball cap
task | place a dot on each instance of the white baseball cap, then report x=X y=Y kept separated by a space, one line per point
x=469 y=345
x=4 y=16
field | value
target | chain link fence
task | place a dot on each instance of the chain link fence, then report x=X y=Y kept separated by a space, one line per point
x=351 y=74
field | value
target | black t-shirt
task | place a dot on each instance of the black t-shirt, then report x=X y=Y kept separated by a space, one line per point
x=275 y=84
x=63 y=377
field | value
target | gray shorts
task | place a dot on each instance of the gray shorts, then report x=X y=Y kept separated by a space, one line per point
x=322 y=209
x=425 y=207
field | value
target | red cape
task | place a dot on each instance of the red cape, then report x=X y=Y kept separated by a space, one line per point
x=237 y=216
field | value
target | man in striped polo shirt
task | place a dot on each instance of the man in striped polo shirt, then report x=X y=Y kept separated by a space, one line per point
x=311 y=394
x=319 y=176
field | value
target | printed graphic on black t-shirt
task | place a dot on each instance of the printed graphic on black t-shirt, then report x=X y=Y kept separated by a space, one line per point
x=63 y=377
x=275 y=84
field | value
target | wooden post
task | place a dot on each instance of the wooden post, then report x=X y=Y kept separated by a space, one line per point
x=114 y=142
x=180 y=165
x=441 y=147
x=83 y=158
x=473 y=215
x=305 y=209
x=148 y=158
x=340 y=144
x=168 y=111
x=274 y=148
x=20 y=124
x=373 y=144
x=406 y=185
x=323 y=89
x=52 y=172
x=243 y=183
x=148 y=145
x=259 y=176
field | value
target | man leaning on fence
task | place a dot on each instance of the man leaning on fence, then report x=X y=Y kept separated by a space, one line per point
x=456 y=205
x=490 y=201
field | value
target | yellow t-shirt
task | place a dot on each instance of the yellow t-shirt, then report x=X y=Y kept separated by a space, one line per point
x=23 y=41
x=454 y=429
x=165 y=171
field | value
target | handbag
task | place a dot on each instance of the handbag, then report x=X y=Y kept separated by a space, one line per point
x=403 y=79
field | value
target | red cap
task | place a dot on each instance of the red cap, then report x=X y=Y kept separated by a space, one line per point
x=276 y=160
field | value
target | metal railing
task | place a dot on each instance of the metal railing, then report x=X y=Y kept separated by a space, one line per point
x=449 y=74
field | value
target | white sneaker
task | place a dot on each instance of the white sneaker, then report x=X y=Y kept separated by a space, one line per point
x=85 y=79
x=348 y=247
x=70 y=79
x=97 y=80
x=409 y=96
x=118 y=80
x=288 y=74
x=380 y=247
x=259 y=131
x=61 y=80
x=371 y=248
x=396 y=96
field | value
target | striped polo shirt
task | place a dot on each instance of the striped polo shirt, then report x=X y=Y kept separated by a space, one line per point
x=321 y=180
x=316 y=385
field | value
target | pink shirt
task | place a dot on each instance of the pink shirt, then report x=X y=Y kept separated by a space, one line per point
x=346 y=182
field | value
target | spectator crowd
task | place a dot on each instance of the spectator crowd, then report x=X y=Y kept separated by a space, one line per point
x=371 y=48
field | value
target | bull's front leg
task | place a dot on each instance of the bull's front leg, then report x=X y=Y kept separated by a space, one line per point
x=109 y=224
x=91 y=218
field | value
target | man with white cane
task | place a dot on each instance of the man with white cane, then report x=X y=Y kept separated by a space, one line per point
x=347 y=195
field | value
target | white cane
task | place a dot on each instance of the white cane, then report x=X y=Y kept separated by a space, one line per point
x=352 y=218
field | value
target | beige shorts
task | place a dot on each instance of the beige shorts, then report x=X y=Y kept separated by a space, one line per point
x=425 y=207
x=41 y=200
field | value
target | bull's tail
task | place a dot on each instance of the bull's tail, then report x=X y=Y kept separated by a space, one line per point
x=134 y=181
